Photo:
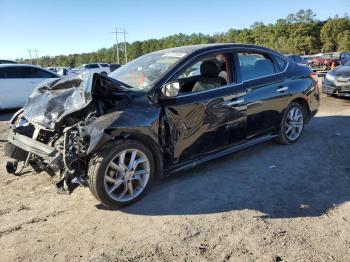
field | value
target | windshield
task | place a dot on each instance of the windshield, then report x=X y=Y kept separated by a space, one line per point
x=142 y=73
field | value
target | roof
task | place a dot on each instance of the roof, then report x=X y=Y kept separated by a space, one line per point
x=16 y=65
x=193 y=48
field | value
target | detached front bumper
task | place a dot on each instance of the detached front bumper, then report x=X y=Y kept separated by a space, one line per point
x=40 y=156
x=30 y=145
x=23 y=146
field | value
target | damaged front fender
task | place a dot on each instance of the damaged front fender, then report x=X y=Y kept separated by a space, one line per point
x=96 y=131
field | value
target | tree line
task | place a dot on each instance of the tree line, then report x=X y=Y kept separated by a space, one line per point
x=300 y=33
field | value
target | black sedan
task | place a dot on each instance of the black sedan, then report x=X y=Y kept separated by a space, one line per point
x=160 y=114
x=299 y=60
x=337 y=81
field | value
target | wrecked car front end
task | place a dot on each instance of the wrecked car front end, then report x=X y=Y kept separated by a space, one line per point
x=62 y=123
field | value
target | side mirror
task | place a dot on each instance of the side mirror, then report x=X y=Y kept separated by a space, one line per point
x=171 y=90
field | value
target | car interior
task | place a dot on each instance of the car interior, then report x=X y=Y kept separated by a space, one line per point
x=205 y=74
x=213 y=72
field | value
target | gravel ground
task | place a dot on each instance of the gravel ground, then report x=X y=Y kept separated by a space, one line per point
x=267 y=203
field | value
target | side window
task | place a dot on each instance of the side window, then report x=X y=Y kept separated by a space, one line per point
x=193 y=70
x=205 y=73
x=104 y=65
x=14 y=72
x=92 y=66
x=281 y=63
x=38 y=73
x=255 y=65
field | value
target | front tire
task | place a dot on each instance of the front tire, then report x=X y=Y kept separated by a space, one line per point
x=292 y=124
x=121 y=173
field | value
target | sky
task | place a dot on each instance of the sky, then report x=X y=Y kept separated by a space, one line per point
x=56 y=27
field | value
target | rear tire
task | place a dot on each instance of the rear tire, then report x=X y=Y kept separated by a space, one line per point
x=121 y=173
x=292 y=124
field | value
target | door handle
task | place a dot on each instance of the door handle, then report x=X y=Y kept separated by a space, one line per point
x=235 y=102
x=282 y=89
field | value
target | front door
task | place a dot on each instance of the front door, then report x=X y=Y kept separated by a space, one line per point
x=201 y=119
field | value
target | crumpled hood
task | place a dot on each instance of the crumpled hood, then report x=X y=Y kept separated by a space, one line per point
x=342 y=71
x=53 y=100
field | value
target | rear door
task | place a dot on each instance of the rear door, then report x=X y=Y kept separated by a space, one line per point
x=266 y=89
x=13 y=87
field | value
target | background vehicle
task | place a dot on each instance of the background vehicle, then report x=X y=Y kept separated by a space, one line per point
x=159 y=115
x=326 y=61
x=62 y=71
x=113 y=67
x=17 y=82
x=7 y=62
x=95 y=68
x=337 y=81
x=299 y=60
x=343 y=58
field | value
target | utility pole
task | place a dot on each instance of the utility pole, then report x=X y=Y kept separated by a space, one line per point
x=125 y=51
x=36 y=55
x=30 y=56
x=116 y=40
x=116 y=32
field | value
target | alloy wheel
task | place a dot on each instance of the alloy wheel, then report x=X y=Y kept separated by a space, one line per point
x=127 y=175
x=294 y=123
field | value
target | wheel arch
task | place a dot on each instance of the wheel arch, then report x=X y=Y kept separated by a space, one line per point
x=151 y=144
x=303 y=102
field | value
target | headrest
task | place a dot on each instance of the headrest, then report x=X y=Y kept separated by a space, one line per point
x=209 y=69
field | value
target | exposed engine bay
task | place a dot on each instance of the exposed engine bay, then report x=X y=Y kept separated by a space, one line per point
x=62 y=123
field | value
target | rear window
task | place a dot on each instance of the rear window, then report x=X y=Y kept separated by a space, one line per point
x=104 y=65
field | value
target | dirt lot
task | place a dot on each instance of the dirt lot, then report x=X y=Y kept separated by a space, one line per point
x=267 y=203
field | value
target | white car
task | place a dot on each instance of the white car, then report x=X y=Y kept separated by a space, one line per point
x=17 y=82
x=65 y=72
x=103 y=69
